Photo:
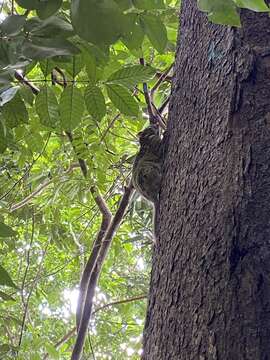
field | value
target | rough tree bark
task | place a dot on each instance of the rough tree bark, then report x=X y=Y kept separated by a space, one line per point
x=210 y=283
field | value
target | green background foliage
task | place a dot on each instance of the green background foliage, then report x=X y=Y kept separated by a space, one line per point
x=74 y=66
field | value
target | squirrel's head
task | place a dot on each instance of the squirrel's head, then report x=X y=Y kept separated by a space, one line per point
x=147 y=134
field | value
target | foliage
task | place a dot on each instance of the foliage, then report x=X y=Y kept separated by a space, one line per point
x=71 y=91
x=225 y=12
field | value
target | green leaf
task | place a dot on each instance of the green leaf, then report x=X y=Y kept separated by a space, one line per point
x=5 y=279
x=95 y=102
x=34 y=142
x=6 y=231
x=39 y=48
x=124 y=4
x=52 y=27
x=29 y=4
x=46 y=66
x=134 y=39
x=220 y=12
x=54 y=354
x=47 y=107
x=5 y=76
x=149 y=4
x=5 y=348
x=101 y=55
x=15 y=112
x=27 y=95
x=73 y=66
x=155 y=31
x=48 y=8
x=91 y=68
x=132 y=75
x=6 y=297
x=255 y=5
x=71 y=107
x=99 y=22
x=12 y=24
x=122 y=99
x=8 y=94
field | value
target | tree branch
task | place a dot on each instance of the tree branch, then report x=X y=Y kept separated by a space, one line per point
x=161 y=78
x=95 y=272
x=154 y=115
x=106 y=219
x=152 y=118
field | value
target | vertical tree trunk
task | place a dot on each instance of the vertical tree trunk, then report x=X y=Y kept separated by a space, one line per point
x=210 y=284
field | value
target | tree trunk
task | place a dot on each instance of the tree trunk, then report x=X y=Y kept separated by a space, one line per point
x=210 y=283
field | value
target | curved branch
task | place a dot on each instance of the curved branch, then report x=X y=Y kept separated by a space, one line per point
x=106 y=219
x=96 y=270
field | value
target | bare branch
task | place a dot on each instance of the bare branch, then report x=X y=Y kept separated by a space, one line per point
x=164 y=105
x=154 y=115
x=91 y=263
x=152 y=118
x=161 y=79
x=105 y=245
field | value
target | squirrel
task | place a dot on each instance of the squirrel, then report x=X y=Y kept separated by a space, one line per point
x=147 y=167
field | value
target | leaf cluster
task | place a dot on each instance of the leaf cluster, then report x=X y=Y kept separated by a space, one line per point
x=58 y=76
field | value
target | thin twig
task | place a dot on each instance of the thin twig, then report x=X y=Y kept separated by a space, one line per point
x=152 y=118
x=22 y=79
x=64 y=81
x=91 y=347
x=25 y=304
x=160 y=81
x=168 y=78
x=27 y=171
x=71 y=332
x=110 y=126
x=31 y=291
x=39 y=189
x=163 y=106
